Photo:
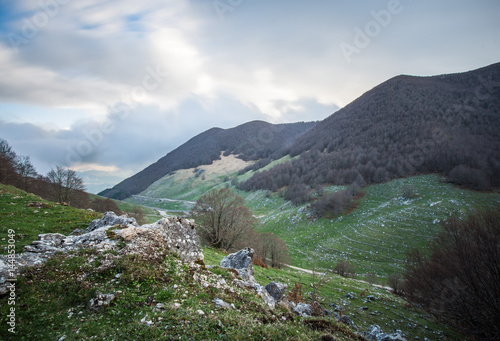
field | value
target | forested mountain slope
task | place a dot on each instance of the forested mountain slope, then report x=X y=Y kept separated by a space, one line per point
x=406 y=125
x=254 y=140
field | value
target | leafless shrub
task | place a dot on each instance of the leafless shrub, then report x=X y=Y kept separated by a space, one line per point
x=344 y=268
x=396 y=282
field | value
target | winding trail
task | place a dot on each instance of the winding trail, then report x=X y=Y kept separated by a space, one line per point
x=324 y=274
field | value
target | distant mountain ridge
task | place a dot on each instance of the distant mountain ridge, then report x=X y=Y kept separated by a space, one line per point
x=407 y=125
x=254 y=140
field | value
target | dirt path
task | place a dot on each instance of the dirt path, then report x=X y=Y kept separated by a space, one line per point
x=324 y=273
x=305 y=270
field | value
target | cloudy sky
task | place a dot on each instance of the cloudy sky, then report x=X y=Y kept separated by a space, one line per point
x=113 y=85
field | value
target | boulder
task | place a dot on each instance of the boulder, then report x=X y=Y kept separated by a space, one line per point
x=303 y=309
x=180 y=236
x=262 y=292
x=241 y=261
x=276 y=290
x=224 y=305
x=347 y=321
x=350 y=296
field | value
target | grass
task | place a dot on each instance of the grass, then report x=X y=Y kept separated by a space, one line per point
x=377 y=234
x=53 y=298
x=53 y=301
x=387 y=310
x=29 y=215
x=374 y=237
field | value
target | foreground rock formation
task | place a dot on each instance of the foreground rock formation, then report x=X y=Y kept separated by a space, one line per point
x=241 y=261
x=111 y=232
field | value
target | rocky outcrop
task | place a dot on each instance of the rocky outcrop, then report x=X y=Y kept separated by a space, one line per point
x=151 y=241
x=111 y=219
x=241 y=261
x=177 y=235
x=101 y=300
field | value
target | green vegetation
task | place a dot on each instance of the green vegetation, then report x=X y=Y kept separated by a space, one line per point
x=29 y=215
x=55 y=301
x=387 y=310
x=54 y=298
x=375 y=236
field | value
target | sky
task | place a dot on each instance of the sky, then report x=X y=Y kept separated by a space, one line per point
x=107 y=87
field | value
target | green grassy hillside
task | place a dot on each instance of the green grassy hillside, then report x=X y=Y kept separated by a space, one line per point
x=29 y=215
x=53 y=299
x=375 y=236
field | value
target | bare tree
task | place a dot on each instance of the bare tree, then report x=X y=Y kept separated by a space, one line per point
x=276 y=250
x=7 y=162
x=344 y=268
x=26 y=171
x=65 y=183
x=223 y=218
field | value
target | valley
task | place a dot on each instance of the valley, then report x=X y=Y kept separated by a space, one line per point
x=374 y=237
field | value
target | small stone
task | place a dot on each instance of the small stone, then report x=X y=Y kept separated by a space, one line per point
x=350 y=296
x=303 y=309
x=200 y=312
x=221 y=304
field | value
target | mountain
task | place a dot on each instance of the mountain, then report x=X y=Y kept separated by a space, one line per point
x=407 y=125
x=256 y=140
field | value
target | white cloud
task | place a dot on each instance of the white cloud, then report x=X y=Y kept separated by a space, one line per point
x=181 y=70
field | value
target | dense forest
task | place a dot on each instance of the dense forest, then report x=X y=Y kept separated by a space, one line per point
x=406 y=125
x=250 y=141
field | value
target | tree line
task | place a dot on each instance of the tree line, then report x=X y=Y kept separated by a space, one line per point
x=60 y=184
